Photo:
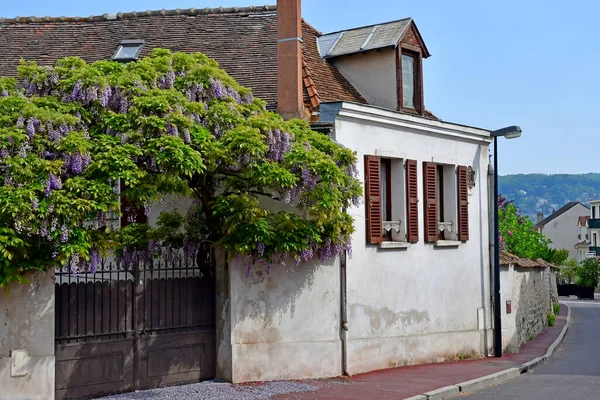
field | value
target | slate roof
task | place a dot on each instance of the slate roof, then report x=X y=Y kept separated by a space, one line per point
x=362 y=39
x=243 y=40
x=559 y=212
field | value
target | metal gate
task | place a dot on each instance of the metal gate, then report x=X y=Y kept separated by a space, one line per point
x=134 y=326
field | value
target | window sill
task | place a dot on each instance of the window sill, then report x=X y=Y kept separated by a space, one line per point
x=447 y=243
x=394 y=245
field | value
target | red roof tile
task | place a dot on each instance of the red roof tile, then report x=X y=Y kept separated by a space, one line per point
x=242 y=40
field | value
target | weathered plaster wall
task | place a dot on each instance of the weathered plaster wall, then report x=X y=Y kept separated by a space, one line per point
x=284 y=325
x=531 y=292
x=373 y=74
x=423 y=303
x=27 y=330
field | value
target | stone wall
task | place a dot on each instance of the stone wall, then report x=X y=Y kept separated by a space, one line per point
x=531 y=292
x=27 y=339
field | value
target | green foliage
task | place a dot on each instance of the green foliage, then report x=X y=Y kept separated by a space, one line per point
x=556 y=308
x=587 y=273
x=551 y=318
x=568 y=271
x=554 y=256
x=518 y=235
x=539 y=192
x=171 y=123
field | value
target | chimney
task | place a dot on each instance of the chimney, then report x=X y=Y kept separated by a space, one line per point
x=290 y=102
x=540 y=217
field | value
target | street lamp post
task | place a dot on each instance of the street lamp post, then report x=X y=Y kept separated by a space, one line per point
x=510 y=132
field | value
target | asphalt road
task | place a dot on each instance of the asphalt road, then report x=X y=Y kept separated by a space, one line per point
x=573 y=371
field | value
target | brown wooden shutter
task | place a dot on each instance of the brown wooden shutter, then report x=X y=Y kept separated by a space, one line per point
x=463 y=204
x=430 y=201
x=412 y=209
x=373 y=199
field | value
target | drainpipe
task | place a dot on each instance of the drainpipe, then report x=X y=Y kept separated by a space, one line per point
x=344 y=312
x=492 y=235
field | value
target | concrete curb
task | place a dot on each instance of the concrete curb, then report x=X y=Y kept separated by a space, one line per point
x=498 y=377
x=536 y=361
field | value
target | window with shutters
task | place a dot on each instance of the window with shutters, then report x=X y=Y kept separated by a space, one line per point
x=446 y=202
x=391 y=200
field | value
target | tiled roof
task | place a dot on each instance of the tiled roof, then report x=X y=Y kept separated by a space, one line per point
x=507 y=259
x=242 y=40
x=555 y=214
x=583 y=220
x=331 y=84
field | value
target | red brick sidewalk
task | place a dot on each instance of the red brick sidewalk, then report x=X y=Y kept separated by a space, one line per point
x=403 y=382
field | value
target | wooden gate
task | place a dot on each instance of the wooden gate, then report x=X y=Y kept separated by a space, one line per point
x=134 y=325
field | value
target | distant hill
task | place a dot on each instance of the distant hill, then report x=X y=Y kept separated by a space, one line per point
x=539 y=192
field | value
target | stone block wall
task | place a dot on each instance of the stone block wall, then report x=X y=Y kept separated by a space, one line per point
x=531 y=292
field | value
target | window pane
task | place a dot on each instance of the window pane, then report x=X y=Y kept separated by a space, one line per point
x=408 y=81
x=127 y=52
x=384 y=191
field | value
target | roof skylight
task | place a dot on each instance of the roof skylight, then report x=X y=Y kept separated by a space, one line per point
x=128 y=50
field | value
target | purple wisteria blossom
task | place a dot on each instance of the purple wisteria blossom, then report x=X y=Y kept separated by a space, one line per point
x=53 y=134
x=186 y=136
x=30 y=128
x=5 y=93
x=216 y=89
x=310 y=179
x=105 y=96
x=86 y=160
x=20 y=122
x=34 y=204
x=76 y=163
x=78 y=93
x=172 y=130
x=23 y=147
x=261 y=249
x=95 y=261
x=64 y=234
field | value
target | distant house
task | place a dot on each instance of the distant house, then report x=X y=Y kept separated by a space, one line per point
x=594 y=228
x=582 y=246
x=563 y=227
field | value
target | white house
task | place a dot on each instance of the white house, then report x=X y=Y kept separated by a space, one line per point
x=416 y=288
x=564 y=227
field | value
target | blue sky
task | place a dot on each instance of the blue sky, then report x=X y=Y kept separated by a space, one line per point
x=532 y=63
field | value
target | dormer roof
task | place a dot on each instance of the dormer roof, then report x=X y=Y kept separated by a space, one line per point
x=366 y=38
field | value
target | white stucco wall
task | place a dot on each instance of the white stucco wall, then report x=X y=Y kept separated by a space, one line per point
x=420 y=304
x=373 y=74
x=285 y=325
x=27 y=330
x=563 y=230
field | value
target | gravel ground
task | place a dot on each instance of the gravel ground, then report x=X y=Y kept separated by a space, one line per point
x=218 y=390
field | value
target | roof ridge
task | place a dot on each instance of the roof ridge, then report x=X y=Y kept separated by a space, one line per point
x=315 y=30
x=366 y=26
x=136 y=14
x=559 y=212
x=309 y=85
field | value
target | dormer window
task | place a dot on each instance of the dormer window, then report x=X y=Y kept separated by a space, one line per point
x=408 y=81
x=128 y=50
x=410 y=96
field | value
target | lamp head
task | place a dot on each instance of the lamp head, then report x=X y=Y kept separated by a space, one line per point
x=510 y=132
